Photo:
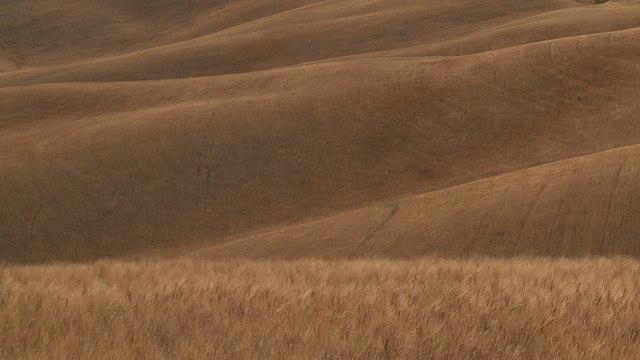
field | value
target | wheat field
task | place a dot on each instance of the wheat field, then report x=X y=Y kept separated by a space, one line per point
x=309 y=309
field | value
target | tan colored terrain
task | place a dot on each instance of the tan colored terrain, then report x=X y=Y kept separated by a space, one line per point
x=307 y=179
x=583 y=206
x=354 y=103
x=361 y=309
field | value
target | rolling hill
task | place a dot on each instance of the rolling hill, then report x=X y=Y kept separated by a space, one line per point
x=584 y=206
x=167 y=128
x=326 y=179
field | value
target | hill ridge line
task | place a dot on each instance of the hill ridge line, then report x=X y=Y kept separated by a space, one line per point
x=380 y=55
x=539 y=42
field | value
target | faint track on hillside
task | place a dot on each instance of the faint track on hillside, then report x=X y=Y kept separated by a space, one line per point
x=393 y=209
x=527 y=216
x=143 y=7
x=615 y=184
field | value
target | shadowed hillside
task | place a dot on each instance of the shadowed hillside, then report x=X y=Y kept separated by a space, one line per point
x=269 y=36
x=38 y=33
x=211 y=150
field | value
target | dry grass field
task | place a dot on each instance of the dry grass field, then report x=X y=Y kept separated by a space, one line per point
x=360 y=309
x=319 y=179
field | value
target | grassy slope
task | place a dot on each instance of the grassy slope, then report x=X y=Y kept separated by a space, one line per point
x=106 y=169
x=41 y=33
x=265 y=39
x=586 y=206
x=545 y=26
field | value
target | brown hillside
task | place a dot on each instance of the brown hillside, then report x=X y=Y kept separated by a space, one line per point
x=260 y=40
x=586 y=206
x=44 y=32
x=208 y=45
x=540 y=27
x=121 y=168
